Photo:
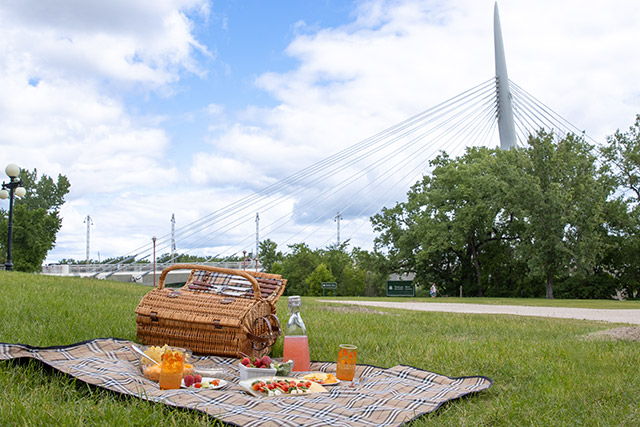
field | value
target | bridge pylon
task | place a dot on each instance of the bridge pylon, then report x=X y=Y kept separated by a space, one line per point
x=505 y=110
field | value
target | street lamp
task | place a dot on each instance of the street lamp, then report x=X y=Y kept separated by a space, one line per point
x=15 y=187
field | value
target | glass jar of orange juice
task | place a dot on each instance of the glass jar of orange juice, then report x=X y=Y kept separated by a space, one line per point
x=171 y=369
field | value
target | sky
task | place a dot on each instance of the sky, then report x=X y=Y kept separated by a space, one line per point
x=182 y=107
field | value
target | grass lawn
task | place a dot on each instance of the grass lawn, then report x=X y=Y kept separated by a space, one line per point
x=545 y=372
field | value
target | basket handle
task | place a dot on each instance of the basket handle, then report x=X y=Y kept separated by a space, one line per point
x=242 y=273
x=261 y=342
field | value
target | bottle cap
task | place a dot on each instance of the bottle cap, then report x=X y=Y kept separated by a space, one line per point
x=295 y=300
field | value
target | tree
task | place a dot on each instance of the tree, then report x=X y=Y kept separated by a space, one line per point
x=337 y=260
x=353 y=281
x=450 y=220
x=376 y=268
x=563 y=207
x=497 y=221
x=314 y=280
x=269 y=254
x=622 y=156
x=36 y=220
x=297 y=266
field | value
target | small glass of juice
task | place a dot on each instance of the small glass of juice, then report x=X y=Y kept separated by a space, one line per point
x=346 y=367
x=171 y=369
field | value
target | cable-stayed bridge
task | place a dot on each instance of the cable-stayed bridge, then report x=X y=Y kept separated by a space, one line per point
x=350 y=186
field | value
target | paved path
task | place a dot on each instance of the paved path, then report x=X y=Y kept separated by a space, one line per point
x=605 y=315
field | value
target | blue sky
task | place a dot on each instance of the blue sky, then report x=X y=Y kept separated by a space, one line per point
x=244 y=39
x=185 y=106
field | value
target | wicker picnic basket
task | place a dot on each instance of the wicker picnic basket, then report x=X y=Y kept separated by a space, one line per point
x=218 y=311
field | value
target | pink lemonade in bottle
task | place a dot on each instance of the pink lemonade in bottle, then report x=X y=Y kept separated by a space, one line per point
x=296 y=348
x=296 y=342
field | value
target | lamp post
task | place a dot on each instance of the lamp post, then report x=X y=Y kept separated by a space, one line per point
x=154 y=260
x=15 y=187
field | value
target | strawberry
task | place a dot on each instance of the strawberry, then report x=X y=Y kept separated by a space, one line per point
x=266 y=360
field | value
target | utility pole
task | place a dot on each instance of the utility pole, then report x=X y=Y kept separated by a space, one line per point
x=173 y=236
x=257 y=238
x=89 y=224
x=337 y=219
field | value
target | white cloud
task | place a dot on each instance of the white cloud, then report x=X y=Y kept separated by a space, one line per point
x=123 y=41
x=66 y=66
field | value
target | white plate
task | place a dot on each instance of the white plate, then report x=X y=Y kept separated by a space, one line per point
x=325 y=384
x=206 y=379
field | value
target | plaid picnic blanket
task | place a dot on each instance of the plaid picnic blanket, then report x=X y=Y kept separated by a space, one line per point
x=384 y=397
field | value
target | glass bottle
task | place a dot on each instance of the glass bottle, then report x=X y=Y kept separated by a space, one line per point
x=296 y=342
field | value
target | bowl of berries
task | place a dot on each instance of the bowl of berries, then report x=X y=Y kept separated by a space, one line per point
x=255 y=367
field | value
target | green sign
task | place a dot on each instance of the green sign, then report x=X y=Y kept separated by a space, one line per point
x=329 y=286
x=400 y=288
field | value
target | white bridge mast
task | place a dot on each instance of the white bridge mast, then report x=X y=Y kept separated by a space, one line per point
x=505 y=110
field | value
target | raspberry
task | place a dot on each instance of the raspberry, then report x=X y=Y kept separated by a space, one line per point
x=189 y=380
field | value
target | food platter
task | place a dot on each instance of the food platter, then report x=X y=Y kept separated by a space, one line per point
x=282 y=386
x=208 y=383
x=323 y=378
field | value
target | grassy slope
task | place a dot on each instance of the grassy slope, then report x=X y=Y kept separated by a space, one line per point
x=544 y=372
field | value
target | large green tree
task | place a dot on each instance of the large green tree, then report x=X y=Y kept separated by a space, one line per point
x=622 y=157
x=451 y=220
x=36 y=220
x=564 y=207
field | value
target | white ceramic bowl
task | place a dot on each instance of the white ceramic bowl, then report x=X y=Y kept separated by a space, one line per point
x=247 y=373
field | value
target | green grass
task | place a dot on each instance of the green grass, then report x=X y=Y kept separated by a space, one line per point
x=545 y=373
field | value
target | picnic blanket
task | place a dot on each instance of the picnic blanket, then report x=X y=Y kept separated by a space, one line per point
x=383 y=397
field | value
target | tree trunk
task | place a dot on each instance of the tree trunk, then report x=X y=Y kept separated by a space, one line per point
x=549 y=285
x=476 y=265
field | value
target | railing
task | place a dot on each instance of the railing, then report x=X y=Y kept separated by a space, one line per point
x=89 y=269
